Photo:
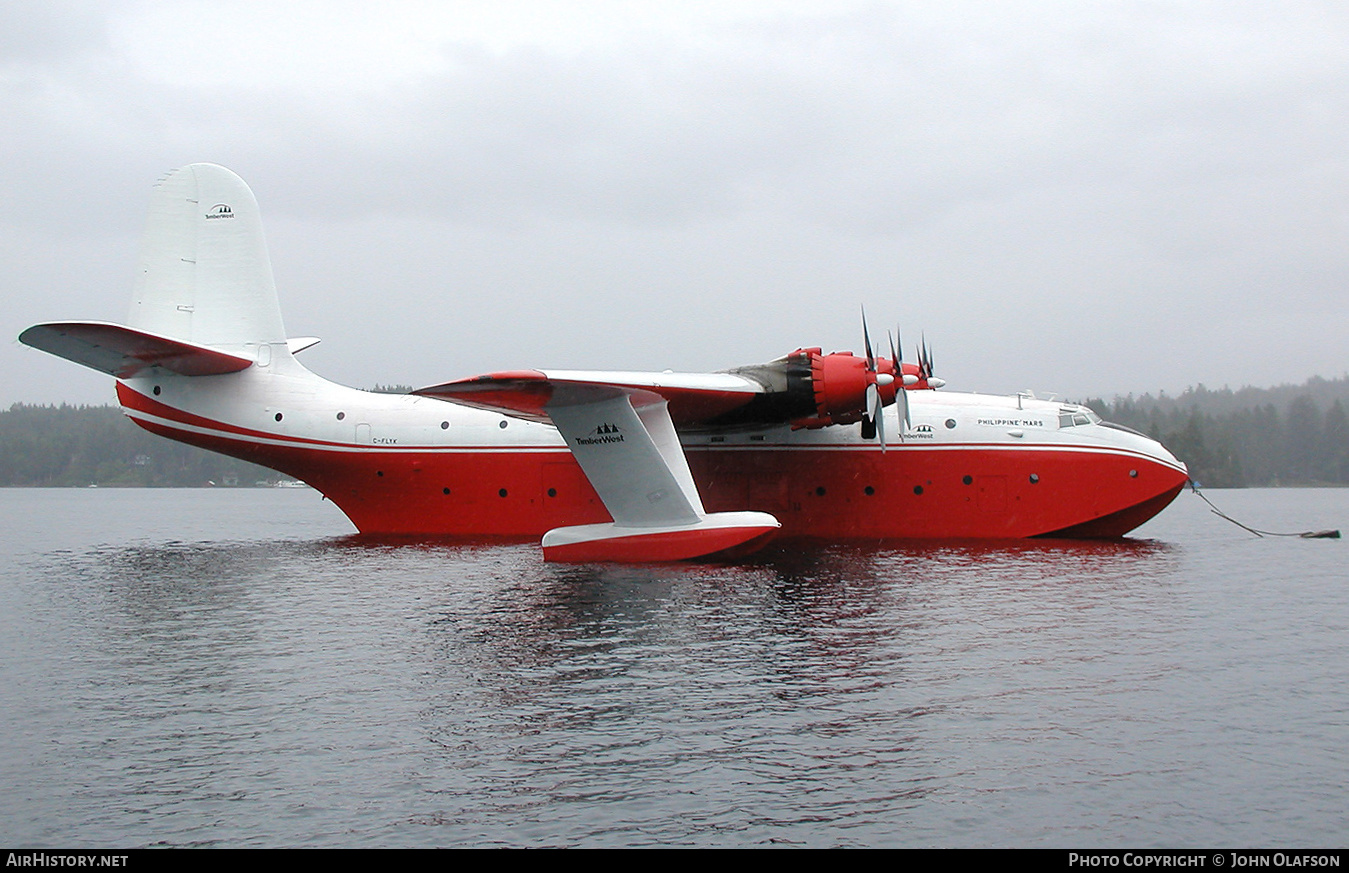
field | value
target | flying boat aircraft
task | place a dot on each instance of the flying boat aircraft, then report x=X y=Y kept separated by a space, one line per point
x=604 y=466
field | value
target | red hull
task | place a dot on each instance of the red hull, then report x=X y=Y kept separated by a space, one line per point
x=912 y=491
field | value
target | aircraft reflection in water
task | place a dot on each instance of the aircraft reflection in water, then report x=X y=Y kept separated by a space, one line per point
x=603 y=465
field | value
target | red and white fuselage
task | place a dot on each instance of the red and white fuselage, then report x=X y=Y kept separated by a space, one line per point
x=969 y=465
x=603 y=466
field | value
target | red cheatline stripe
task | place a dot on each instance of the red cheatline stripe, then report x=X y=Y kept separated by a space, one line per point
x=140 y=403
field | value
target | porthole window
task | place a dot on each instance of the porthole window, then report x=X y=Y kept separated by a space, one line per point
x=968 y=480
x=950 y=424
x=278 y=416
x=869 y=491
x=157 y=390
x=445 y=491
x=552 y=492
x=1034 y=477
x=502 y=424
x=918 y=489
x=1133 y=474
x=341 y=415
x=819 y=491
x=444 y=425
x=501 y=493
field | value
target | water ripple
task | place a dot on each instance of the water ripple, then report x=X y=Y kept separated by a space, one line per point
x=283 y=684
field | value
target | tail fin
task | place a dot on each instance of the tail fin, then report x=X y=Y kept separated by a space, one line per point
x=204 y=274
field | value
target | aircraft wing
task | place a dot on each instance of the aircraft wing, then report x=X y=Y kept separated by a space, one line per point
x=805 y=388
x=620 y=429
x=693 y=398
x=123 y=351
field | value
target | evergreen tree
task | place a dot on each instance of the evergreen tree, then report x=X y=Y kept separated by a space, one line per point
x=1335 y=462
x=1304 y=430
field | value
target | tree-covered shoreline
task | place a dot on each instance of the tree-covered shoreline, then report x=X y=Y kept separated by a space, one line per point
x=1290 y=435
x=79 y=446
x=1251 y=437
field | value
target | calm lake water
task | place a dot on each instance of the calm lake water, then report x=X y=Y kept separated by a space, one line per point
x=230 y=668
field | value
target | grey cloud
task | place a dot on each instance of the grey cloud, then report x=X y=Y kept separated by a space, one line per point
x=1051 y=189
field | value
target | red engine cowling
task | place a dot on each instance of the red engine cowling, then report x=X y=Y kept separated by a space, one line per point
x=834 y=385
x=811 y=389
x=840 y=382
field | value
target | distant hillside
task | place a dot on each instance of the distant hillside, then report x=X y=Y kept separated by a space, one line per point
x=1288 y=435
x=98 y=445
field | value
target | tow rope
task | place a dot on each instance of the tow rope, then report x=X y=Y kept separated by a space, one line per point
x=1306 y=534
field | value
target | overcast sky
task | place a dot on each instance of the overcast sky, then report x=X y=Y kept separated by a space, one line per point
x=1086 y=198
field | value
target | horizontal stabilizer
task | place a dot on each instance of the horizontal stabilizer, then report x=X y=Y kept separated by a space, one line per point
x=123 y=351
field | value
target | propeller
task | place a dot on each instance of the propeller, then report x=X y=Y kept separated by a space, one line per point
x=901 y=395
x=925 y=365
x=873 y=417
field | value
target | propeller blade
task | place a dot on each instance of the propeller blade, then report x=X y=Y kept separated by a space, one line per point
x=873 y=400
x=866 y=340
x=901 y=395
x=879 y=413
x=924 y=358
x=871 y=411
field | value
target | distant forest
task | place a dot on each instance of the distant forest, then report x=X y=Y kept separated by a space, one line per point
x=74 y=446
x=98 y=445
x=1252 y=437
x=1289 y=435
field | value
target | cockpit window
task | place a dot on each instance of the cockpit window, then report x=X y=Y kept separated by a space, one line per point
x=1073 y=416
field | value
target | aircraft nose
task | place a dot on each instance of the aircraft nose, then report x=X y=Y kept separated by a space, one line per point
x=1164 y=455
x=1128 y=438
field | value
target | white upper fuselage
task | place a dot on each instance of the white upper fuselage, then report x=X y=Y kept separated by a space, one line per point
x=335 y=416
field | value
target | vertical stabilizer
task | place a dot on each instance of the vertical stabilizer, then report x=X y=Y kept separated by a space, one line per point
x=204 y=274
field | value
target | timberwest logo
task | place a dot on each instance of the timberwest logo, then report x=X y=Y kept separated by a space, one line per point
x=923 y=428
x=605 y=433
x=220 y=210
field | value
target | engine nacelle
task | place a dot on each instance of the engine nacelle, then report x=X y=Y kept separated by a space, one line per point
x=811 y=389
x=839 y=381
